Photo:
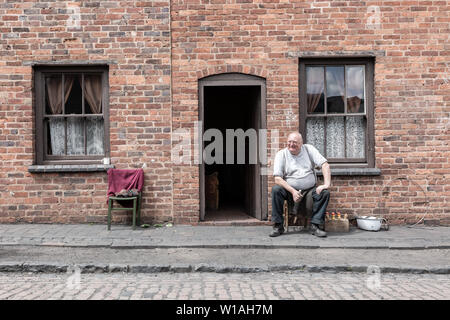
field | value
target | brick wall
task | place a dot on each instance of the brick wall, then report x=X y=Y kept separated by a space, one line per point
x=134 y=39
x=412 y=88
x=157 y=53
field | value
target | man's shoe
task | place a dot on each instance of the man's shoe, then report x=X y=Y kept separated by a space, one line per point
x=317 y=232
x=277 y=231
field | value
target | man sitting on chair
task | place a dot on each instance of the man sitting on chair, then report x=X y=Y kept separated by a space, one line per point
x=294 y=173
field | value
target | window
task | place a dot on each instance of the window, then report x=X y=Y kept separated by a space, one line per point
x=71 y=114
x=336 y=109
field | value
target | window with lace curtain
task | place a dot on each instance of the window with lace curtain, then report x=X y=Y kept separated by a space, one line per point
x=71 y=114
x=336 y=109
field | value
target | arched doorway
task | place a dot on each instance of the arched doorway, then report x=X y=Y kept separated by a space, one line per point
x=233 y=105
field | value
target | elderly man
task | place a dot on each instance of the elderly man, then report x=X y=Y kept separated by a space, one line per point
x=294 y=173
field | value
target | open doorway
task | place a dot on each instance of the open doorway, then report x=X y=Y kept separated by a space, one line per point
x=233 y=105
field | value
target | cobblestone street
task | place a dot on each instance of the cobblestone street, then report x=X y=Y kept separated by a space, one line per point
x=198 y=286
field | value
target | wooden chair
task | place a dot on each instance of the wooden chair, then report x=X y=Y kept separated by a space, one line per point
x=125 y=181
x=136 y=208
x=304 y=212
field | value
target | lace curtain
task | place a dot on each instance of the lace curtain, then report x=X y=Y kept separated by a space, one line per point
x=75 y=125
x=355 y=129
x=56 y=136
x=335 y=137
x=345 y=139
x=315 y=133
x=94 y=132
x=94 y=126
x=54 y=100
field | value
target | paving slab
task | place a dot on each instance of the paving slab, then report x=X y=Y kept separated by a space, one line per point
x=183 y=236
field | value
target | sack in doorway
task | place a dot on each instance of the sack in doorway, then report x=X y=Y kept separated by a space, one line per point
x=212 y=191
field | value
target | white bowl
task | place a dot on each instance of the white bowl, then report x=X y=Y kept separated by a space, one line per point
x=369 y=223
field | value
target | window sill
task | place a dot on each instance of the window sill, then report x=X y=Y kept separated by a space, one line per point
x=69 y=168
x=353 y=172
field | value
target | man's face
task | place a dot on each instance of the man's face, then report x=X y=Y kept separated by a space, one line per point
x=294 y=144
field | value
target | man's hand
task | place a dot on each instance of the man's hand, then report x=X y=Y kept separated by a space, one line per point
x=296 y=195
x=320 y=188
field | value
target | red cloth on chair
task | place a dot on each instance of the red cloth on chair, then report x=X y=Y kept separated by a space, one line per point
x=119 y=179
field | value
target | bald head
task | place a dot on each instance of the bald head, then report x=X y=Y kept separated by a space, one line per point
x=295 y=142
x=295 y=135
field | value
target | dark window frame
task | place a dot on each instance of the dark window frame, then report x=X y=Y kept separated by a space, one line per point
x=40 y=115
x=369 y=63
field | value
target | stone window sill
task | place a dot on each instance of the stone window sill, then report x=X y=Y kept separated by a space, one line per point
x=353 y=172
x=69 y=168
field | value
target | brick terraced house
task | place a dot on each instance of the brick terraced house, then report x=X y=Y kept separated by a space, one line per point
x=90 y=85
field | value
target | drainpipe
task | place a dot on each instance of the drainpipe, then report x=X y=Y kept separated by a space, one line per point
x=171 y=96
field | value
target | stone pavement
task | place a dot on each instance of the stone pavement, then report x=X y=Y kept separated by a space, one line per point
x=418 y=249
x=185 y=236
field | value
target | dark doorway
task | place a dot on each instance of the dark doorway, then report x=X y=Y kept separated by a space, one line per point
x=233 y=105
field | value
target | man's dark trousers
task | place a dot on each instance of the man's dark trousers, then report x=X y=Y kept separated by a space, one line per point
x=320 y=203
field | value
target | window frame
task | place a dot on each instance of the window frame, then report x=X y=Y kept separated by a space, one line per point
x=368 y=63
x=40 y=115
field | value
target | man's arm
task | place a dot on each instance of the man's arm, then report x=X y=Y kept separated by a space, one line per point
x=326 y=178
x=282 y=183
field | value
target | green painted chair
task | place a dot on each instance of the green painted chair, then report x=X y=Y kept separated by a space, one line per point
x=125 y=188
x=136 y=208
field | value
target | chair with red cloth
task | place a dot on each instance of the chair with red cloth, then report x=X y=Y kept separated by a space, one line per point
x=129 y=180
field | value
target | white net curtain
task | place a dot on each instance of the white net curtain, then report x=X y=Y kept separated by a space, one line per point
x=336 y=136
x=78 y=126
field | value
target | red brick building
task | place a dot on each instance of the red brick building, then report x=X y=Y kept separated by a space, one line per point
x=366 y=82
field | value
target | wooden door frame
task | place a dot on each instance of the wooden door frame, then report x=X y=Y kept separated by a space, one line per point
x=234 y=79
